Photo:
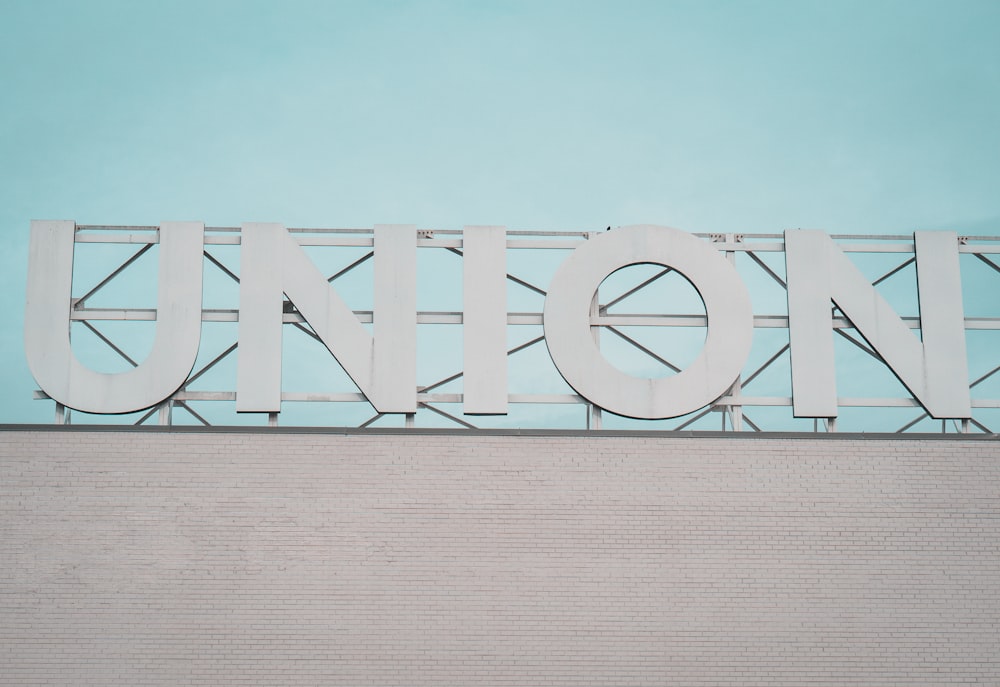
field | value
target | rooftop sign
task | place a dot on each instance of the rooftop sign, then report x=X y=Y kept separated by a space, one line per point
x=280 y=284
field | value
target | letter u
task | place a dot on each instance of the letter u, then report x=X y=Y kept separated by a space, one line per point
x=47 y=313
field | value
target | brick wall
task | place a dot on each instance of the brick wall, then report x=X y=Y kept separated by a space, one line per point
x=240 y=558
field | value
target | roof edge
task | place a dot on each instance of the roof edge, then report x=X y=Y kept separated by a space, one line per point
x=414 y=431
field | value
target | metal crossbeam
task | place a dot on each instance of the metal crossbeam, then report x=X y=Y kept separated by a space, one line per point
x=771 y=273
x=604 y=308
x=225 y=270
x=110 y=344
x=451 y=417
x=767 y=364
x=107 y=280
x=893 y=271
x=350 y=267
x=645 y=350
x=210 y=365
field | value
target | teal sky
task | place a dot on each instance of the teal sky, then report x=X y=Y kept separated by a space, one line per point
x=853 y=117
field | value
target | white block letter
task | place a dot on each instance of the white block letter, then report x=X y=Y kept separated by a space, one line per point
x=383 y=365
x=567 y=323
x=935 y=371
x=178 y=323
x=484 y=320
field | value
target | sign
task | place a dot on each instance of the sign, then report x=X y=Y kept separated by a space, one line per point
x=382 y=363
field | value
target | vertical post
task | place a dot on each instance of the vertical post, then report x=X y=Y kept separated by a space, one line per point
x=61 y=414
x=272 y=419
x=410 y=418
x=166 y=412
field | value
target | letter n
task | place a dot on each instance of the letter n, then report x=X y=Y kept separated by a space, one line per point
x=383 y=365
x=934 y=370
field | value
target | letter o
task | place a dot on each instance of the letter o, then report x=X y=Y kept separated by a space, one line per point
x=567 y=323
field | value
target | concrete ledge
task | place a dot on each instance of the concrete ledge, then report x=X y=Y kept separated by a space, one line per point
x=423 y=431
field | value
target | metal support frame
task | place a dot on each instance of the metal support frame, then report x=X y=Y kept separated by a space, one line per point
x=731 y=405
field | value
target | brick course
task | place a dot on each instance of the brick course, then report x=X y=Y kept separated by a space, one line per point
x=310 y=558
